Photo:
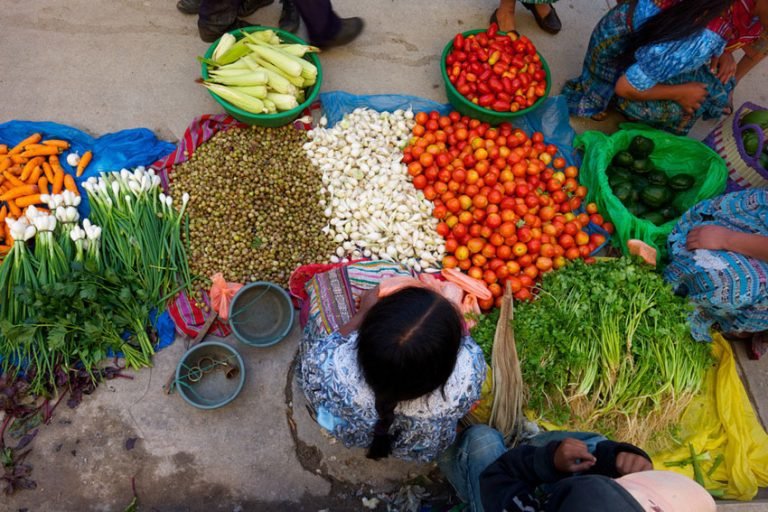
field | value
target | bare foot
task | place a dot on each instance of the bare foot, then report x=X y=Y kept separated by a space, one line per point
x=543 y=10
x=506 y=18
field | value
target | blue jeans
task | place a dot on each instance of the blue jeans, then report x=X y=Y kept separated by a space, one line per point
x=479 y=446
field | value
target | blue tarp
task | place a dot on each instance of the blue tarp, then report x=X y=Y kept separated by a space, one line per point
x=111 y=152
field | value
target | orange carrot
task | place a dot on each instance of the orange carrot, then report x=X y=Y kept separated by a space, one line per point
x=15 y=192
x=41 y=151
x=36 y=173
x=32 y=139
x=16 y=182
x=15 y=210
x=42 y=184
x=4 y=248
x=84 y=161
x=3 y=213
x=69 y=184
x=55 y=164
x=57 y=143
x=58 y=180
x=5 y=163
x=469 y=284
x=29 y=167
x=3 y=149
x=48 y=170
x=18 y=159
x=24 y=201
x=7 y=231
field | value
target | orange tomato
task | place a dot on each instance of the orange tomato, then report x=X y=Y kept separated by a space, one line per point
x=513 y=267
x=479 y=260
x=572 y=253
x=475 y=272
x=462 y=253
x=544 y=263
x=519 y=249
x=495 y=289
x=582 y=238
x=450 y=261
x=531 y=271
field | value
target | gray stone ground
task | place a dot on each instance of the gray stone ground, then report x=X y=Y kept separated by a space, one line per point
x=105 y=65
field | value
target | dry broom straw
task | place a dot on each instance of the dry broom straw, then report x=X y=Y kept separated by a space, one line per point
x=508 y=390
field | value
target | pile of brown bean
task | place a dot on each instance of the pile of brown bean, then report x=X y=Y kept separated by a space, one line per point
x=254 y=211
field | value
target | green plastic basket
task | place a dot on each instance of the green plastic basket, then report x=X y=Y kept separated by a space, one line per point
x=279 y=118
x=466 y=107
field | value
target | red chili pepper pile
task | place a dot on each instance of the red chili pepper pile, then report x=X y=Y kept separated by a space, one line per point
x=501 y=72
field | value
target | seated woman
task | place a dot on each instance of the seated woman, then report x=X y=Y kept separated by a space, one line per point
x=719 y=259
x=653 y=60
x=400 y=372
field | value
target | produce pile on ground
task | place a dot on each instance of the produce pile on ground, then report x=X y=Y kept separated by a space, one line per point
x=371 y=207
x=30 y=171
x=507 y=204
x=254 y=209
x=497 y=71
x=750 y=137
x=646 y=192
x=606 y=348
x=71 y=294
x=259 y=73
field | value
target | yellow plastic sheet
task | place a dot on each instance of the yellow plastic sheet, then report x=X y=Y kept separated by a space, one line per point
x=722 y=423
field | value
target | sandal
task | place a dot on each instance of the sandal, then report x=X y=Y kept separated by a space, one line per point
x=549 y=23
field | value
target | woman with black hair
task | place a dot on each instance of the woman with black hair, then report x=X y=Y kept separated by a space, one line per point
x=656 y=60
x=398 y=375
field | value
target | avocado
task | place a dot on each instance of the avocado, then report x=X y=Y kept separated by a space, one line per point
x=681 y=181
x=623 y=191
x=656 y=196
x=657 y=178
x=641 y=147
x=655 y=217
x=615 y=181
x=642 y=166
x=623 y=159
x=751 y=142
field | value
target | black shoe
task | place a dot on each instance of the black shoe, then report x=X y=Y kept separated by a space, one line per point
x=550 y=23
x=248 y=7
x=289 y=17
x=210 y=35
x=189 y=6
x=350 y=29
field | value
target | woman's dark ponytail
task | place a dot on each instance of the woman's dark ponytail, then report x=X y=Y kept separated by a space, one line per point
x=682 y=20
x=381 y=446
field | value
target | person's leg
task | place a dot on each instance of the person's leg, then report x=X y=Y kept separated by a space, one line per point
x=325 y=27
x=216 y=17
x=505 y=15
x=476 y=449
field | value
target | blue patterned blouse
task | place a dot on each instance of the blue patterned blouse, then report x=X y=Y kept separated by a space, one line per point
x=334 y=385
x=658 y=63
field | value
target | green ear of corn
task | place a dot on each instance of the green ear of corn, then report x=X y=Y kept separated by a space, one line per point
x=225 y=43
x=240 y=80
x=236 y=51
x=269 y=106
x=283 y=101
x=275 y=80
x=297 y=81
x=263 y=36
x=298 y=50
x=257 y=91
x=236 y=98
x=286 y=63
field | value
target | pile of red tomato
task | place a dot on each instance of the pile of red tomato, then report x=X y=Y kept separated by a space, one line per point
x=506 y=203
x=501 y=72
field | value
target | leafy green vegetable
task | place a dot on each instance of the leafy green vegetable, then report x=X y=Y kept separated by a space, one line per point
x=484 y=331
x=606 y=347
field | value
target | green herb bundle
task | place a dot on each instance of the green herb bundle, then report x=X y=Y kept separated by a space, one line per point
x=606 y=347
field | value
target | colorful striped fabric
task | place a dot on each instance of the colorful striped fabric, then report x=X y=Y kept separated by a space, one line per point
x=729 y=290
x=332 y=294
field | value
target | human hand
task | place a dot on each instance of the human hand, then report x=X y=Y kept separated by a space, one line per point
x=627 y=462
x=714 y=238
x=724 y=66
x=691 y=95
x=573 y=456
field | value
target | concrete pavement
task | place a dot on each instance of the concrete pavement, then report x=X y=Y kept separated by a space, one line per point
x=106 y=65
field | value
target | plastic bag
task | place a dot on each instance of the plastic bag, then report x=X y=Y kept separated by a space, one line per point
x=673 y=154
x=111 y=152
x=722 y=423
x=222 y=293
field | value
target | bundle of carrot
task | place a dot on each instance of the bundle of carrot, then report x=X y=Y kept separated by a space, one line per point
x=28 y=170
